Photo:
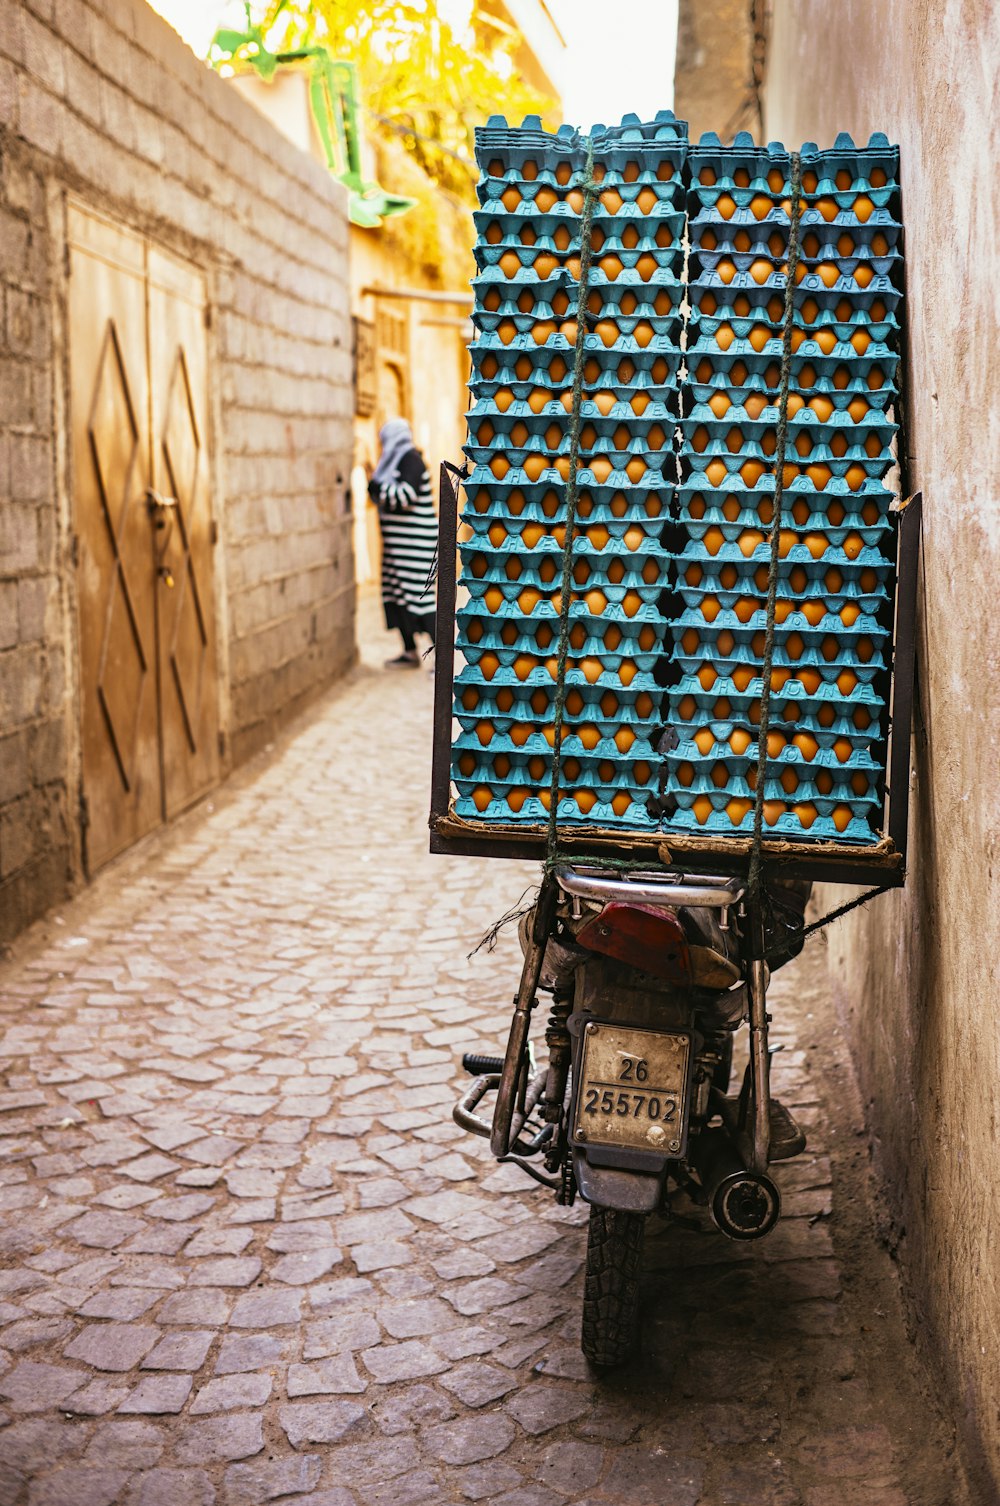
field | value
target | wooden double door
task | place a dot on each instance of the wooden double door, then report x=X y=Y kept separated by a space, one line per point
x=142 y=517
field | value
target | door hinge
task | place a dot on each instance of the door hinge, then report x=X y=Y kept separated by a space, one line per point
x=208 y=316
x=222 y=745
x=213 y=532
x=74 y=549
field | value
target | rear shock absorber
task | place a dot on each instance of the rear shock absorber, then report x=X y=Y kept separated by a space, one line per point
x=558 y=1041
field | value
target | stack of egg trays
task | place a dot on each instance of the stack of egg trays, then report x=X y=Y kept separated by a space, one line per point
x=825 y=769
x=526 y=309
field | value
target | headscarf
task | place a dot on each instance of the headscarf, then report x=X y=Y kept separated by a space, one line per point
x=396 y=440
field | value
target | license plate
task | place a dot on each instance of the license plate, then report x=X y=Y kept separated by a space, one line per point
x=632 y=1088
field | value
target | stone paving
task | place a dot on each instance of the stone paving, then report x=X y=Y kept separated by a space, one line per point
x=246 y=1256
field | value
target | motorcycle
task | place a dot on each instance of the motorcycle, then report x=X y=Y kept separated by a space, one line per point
x=649 y=977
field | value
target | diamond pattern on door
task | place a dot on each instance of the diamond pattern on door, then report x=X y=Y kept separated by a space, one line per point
x=189 y=691
x=185 y=629
x=120 y=685
x=113 y=435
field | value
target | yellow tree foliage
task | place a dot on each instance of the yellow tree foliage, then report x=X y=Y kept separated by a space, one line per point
x=423 y=80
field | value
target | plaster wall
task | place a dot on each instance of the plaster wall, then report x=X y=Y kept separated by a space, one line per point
x=917 y=972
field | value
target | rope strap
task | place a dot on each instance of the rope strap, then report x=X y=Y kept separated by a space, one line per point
x=794 y=942
x=590 y=191
x=755 y=878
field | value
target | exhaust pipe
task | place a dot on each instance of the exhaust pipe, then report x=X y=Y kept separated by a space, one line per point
x=744 y=1204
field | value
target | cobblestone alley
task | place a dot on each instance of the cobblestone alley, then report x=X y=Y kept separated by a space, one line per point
x=246 y=1256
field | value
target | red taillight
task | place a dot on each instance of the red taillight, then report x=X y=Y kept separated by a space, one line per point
x=642 y=936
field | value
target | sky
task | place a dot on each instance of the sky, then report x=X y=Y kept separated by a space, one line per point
x=620 y=57
x=614 y=62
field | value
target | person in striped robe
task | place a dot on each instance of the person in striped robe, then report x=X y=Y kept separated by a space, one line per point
x=401 y=489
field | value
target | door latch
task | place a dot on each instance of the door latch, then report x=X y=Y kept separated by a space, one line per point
x=159 y=504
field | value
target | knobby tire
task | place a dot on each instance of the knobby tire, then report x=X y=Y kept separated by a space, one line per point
x=611 y=1287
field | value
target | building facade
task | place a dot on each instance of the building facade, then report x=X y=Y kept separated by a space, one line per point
x=176 y=560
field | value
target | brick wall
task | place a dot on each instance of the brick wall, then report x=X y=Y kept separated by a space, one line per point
x=101 y=98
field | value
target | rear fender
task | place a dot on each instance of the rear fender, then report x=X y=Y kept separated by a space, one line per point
x=625 y=1191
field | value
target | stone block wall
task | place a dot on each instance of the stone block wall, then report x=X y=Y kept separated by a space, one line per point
x=101 y=99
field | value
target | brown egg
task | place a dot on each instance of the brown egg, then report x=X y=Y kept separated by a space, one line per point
x=842 y=816
x=702 y=809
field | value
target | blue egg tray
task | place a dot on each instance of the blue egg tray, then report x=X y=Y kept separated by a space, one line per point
x=688 y=534
x=646 y=501
x=533 y=812
x=859 y=161
x=826 y=732
x=861 y=369
x=788 y=827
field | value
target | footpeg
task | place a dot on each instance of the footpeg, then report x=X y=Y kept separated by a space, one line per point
x=787 y=1139
x=481 y=1066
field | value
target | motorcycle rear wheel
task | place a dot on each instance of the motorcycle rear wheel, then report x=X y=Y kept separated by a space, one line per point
x=611 y=1285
